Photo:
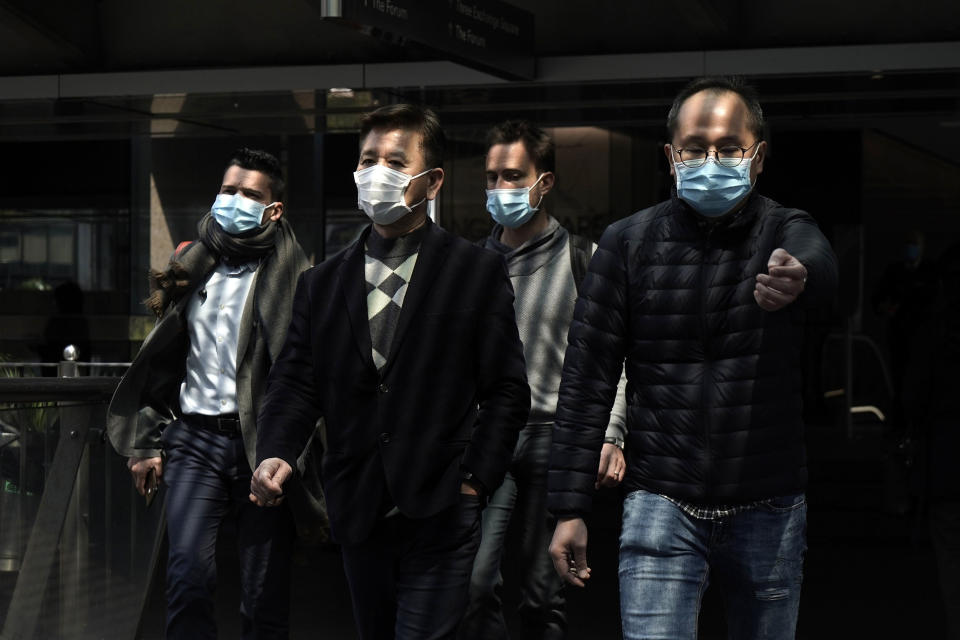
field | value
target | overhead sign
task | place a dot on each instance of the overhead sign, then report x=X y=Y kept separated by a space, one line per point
x=487 y=34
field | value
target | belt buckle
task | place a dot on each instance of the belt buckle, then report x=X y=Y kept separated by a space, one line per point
x=227 y=425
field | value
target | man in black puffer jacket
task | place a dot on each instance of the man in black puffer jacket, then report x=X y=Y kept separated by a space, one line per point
x=704 y=297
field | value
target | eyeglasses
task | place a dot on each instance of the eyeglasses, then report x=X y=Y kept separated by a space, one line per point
x=727 y=156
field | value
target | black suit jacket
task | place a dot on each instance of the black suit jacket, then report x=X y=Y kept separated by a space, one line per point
x=453 y=390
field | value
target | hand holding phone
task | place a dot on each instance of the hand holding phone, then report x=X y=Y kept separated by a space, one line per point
x=146 y=474
x=150 y=487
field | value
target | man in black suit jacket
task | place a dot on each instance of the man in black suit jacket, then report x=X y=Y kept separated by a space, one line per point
x=406 y=344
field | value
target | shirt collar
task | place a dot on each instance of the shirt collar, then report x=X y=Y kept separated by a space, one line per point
x=234 y=269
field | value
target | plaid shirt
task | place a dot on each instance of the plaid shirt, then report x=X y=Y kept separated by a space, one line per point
x=714 y=513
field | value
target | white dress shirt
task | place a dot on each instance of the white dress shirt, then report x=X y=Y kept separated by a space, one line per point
x=213 y=321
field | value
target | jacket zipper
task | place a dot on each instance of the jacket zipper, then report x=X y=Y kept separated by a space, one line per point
x=708 y=457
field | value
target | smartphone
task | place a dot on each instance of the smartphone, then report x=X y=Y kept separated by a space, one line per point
x=150 y=487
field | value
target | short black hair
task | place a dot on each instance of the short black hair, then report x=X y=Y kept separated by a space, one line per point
x=538 y=143
x=410 y=117
x=720 y=84
x=264 y=162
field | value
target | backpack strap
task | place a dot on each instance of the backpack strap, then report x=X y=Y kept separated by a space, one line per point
x=581 y=250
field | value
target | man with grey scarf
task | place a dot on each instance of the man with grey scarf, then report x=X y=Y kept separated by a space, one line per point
x=186 y=409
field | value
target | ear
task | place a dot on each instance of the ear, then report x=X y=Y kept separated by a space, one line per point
x=276 y=212
x=434 y=182
x=756 y=166
x=547 y=180
x=668 y=151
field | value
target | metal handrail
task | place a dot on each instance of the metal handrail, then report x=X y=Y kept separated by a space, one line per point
x=23 y=365
x=60 y=530
x=848 y=338
x=51 y=389
x=19 y=365
x=877 y=352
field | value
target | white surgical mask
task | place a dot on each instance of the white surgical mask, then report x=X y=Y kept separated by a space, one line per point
x=380 y=192
x=511 y=207
x=237 y=214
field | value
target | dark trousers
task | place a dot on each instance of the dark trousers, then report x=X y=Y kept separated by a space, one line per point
x=409 y=579
x=208 y=478
x=520 y=507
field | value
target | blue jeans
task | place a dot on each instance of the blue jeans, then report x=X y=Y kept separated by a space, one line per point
x=208 y=479
x=667 y=559
x=520 y=507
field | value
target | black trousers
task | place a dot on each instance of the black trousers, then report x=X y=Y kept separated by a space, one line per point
x=208 y=479
x=518 y=509
x=410 y=579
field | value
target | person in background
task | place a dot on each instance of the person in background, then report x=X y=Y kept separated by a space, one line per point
x=546 y=264
x=68 y=326
x=904 y=297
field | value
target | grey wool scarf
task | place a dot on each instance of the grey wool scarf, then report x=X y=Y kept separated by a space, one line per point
x=282 y=262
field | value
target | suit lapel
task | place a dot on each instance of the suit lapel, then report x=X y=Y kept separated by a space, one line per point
x=432 y=254
x=354 y=289
x=246 y=324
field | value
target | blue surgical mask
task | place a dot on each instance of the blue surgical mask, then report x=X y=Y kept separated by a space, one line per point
x=236 y=214
x=713 y=189
x=511 y=207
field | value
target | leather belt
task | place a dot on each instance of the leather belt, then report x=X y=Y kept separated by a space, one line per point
x=228 y=425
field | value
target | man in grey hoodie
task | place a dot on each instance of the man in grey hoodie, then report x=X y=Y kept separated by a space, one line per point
x=545 y=263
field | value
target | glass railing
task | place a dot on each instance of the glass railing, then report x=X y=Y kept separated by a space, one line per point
x=77 y=544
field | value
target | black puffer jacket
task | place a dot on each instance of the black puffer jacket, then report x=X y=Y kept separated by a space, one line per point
x=713 y=381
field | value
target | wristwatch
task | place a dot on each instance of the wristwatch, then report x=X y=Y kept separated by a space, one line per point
x=614 y=441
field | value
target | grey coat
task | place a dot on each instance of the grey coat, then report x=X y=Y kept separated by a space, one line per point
x=147 y=398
